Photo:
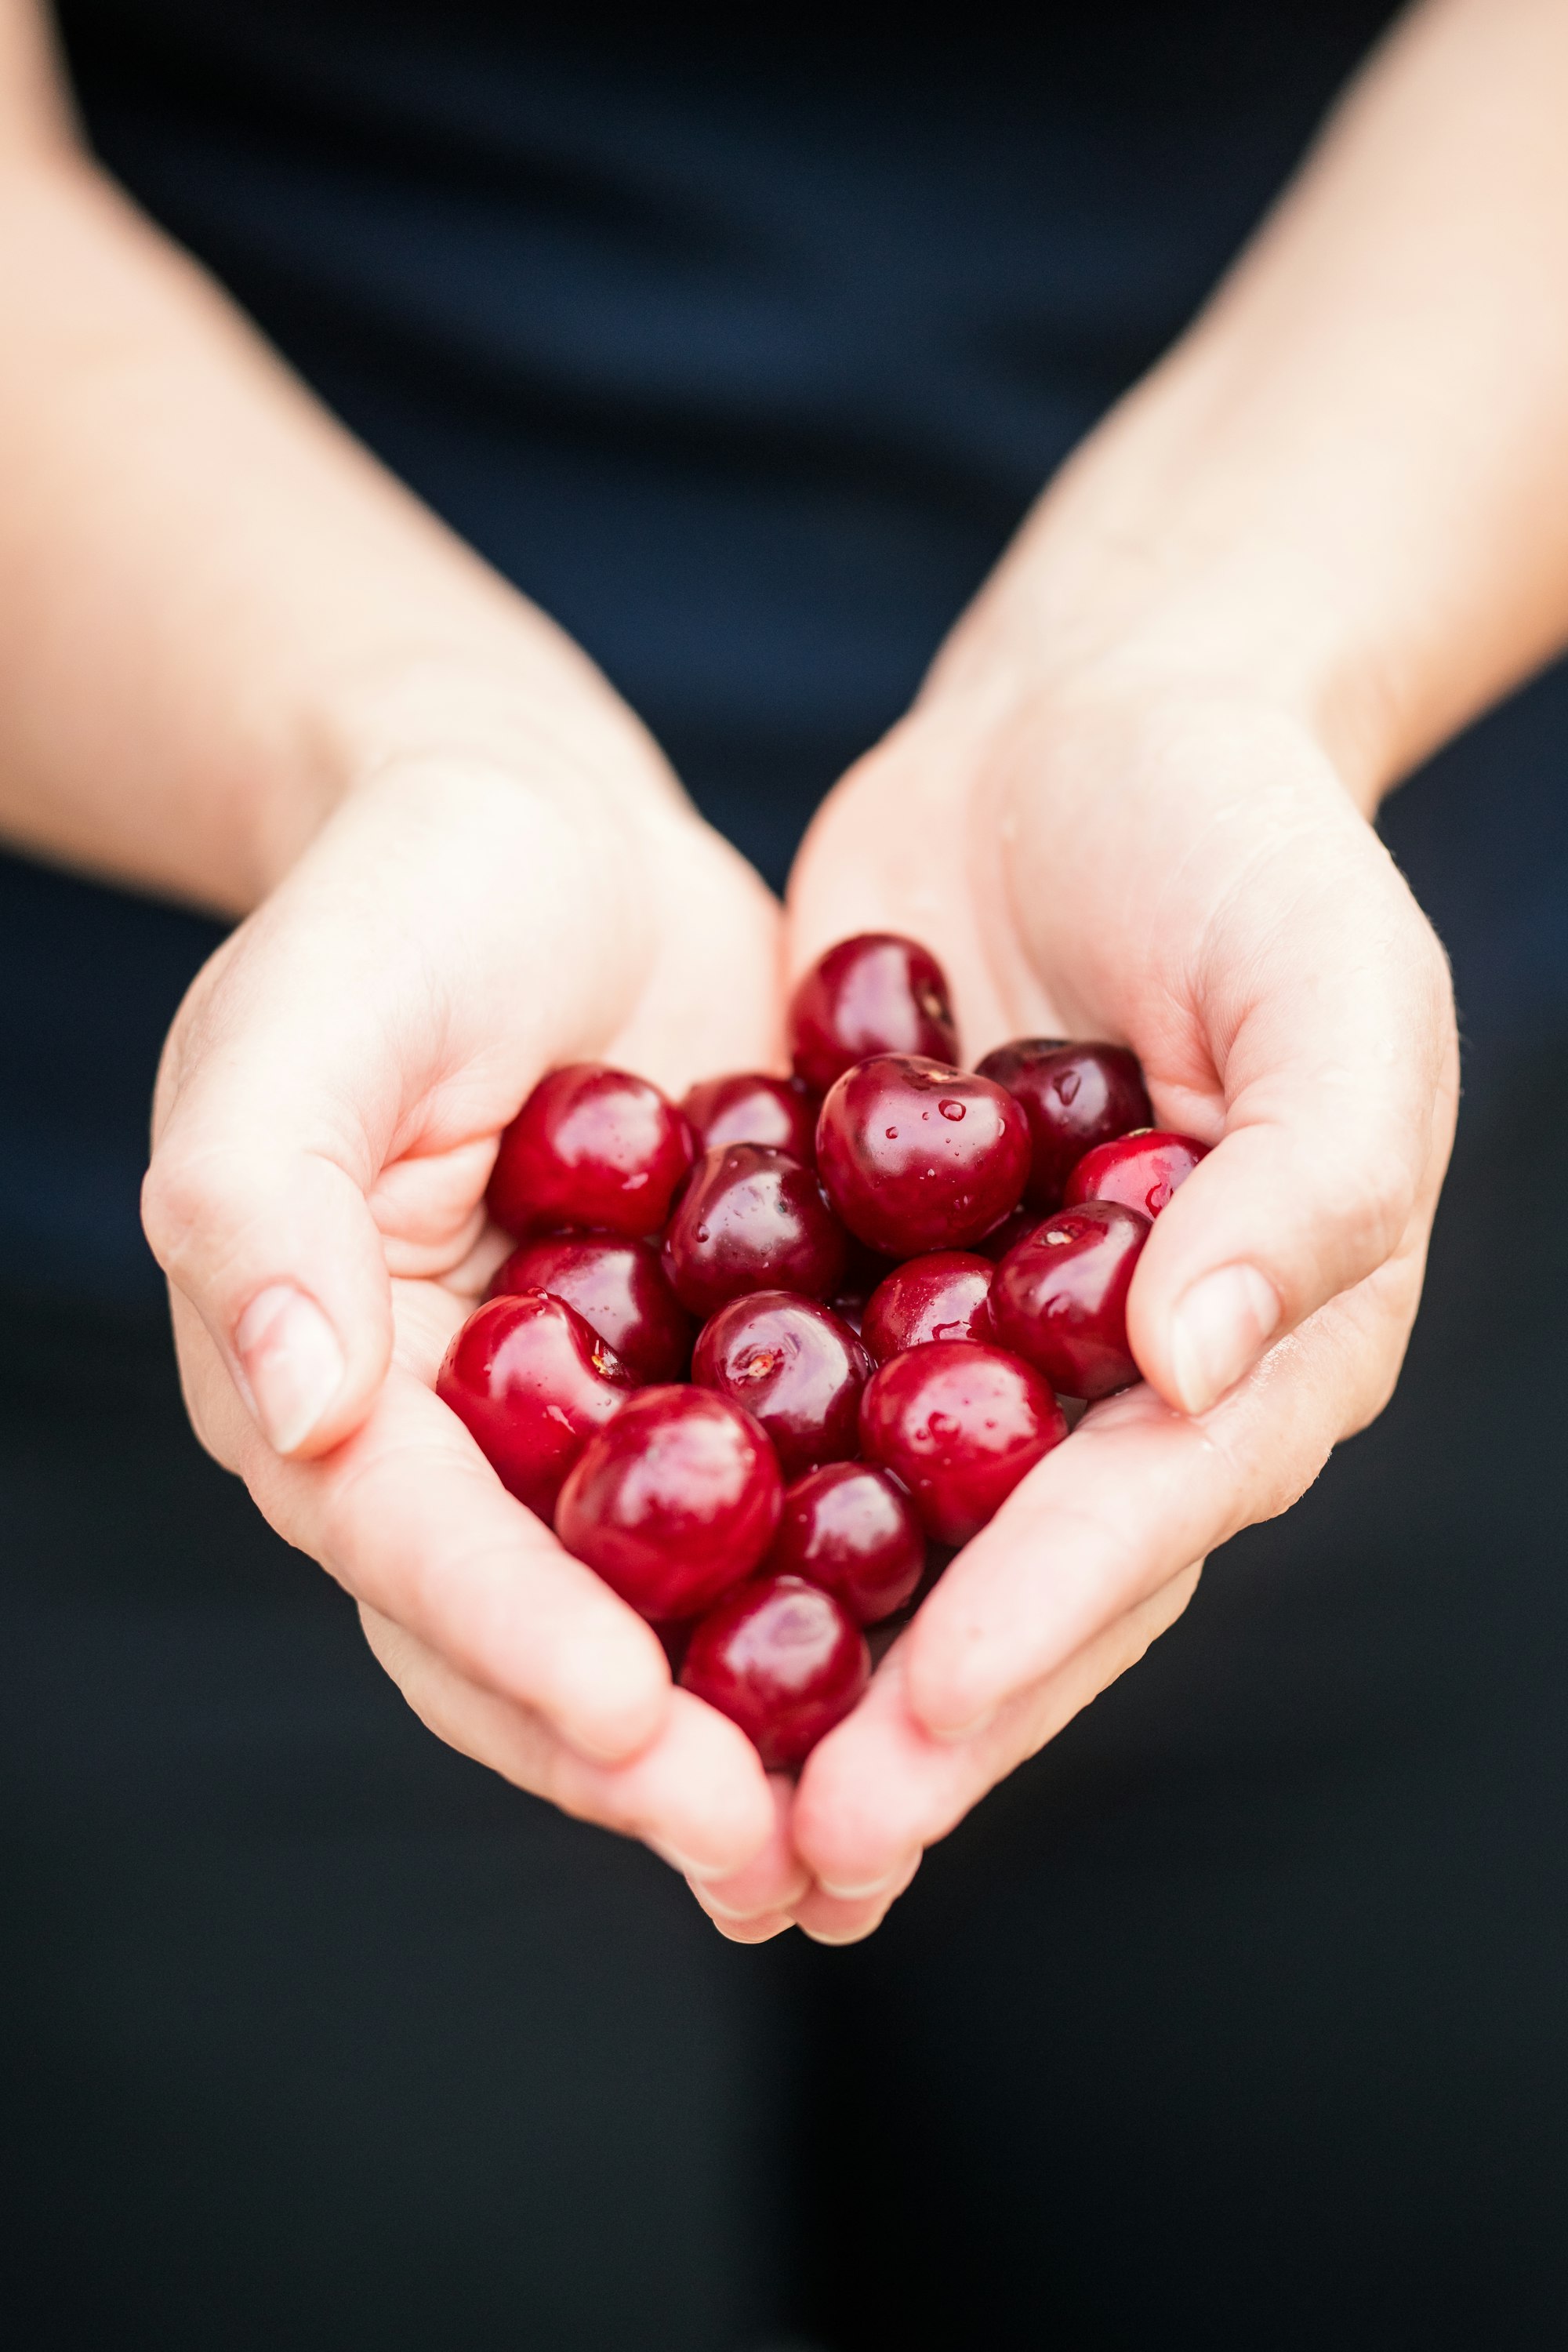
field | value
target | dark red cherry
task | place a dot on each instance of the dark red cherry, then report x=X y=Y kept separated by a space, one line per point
x=592 y=1148
x=874 y=995
x=676 y=1506
x=1075 y=1097
x=619 y=1290
x=915 y=1156
x=750 y=1108
x=532 y=1382
x=852 y=1530
x=795 y=1367
x=783 y=1660
x=958 y=1424
x=1141 y=1170
x=941 y=1297
x=1059 y=1298
x=752 y=1220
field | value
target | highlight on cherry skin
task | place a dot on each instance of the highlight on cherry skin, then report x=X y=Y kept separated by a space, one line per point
x=762 y=1495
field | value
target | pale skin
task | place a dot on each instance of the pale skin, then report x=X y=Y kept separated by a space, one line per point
x=246 y=668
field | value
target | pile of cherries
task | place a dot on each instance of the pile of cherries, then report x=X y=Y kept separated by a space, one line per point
x=767 y=1359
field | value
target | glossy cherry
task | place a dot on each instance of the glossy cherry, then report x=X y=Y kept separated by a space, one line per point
x=916 y=1156
x=1074 y=1097
x=1059 y=1298
x=750 y=1108
x=795 y=1367
x=673 y=1503
x=852 y=1530
x=533 y=1383
x=594 y=1148
x=619 y=1290
x=752 y=1220
x=997 y=1244
x=875 y=994
x=942 y=1296
x=1141 y=1170
x=783 y=1660
x=958 y=1424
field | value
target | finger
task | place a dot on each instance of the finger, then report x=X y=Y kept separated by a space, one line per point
x=1137 y=1492
x=697 y=1793
x=774 y=1880
x=880 y=1789
x=1328 y=1001
x=410 y=1518
x=839 y=1919
x=375 y=1015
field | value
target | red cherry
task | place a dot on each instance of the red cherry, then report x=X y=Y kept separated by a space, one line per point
x=853 y=1531
x=591 y=1148
x=1141 y=1170
x=941 y=1297
x=1059 y=1298
x=752 y=1220
x=958 y=1424
x=674 y=1502
x=915 y=1156
x=794 y=1367
x=874 y=995
x=751 y=1108
x=532 y=1382
x=1075 y=1097
x=619 y=1290
x=783 y=1660
x=997 y=1244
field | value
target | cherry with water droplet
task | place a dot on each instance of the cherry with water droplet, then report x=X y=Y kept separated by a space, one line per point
x=958 y=1424
x=1059 y=1298
x=532 y=1382
x=875 y=994
x=903 y=1171
x=619 y=1290
x=1074 y=1096
x=851 y=1528
x=795 y=1367
x=675 y=1501
x=940 y=1296
x=783 y=1659
x=592 y=1149
x=1141 y=1170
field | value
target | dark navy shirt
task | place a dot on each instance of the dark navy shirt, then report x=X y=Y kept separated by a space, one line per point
x=741 y=341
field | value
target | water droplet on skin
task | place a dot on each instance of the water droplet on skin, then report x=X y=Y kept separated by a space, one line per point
x=1068 y=1084
x=1055 y=1241
x=702 y=1233
x=950 y=1110
x=893 y=1134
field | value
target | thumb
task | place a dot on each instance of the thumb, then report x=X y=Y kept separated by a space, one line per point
x=1340 y=1079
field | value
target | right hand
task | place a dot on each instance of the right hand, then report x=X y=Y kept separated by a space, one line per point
x=328 y=1110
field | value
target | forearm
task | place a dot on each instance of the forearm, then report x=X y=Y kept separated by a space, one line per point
x=216 y=611
x=1346 y=489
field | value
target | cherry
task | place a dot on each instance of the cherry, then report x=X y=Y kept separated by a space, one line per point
x=959 y=1424
x=941 y=1297
x=752 y=1220
x=875 y=994
x=783 y=1660
x=591 y=1148
x=1059 y=1298
x=619 y=1290
x=997 y=1244
x=532 y=1382
x=1075 y=1097
x=795 y=1367
x=674 y=1502
x=750 y=1108
x=852 y=1530
x=1141 y=1170
x=916 y=1156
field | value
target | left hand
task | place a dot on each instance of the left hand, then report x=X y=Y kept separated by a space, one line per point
x=1180 y=869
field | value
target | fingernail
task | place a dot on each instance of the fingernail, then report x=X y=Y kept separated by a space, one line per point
x=883 y=1886
x=855 y=1935
x=1219 y=1330
x=292 y=1361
